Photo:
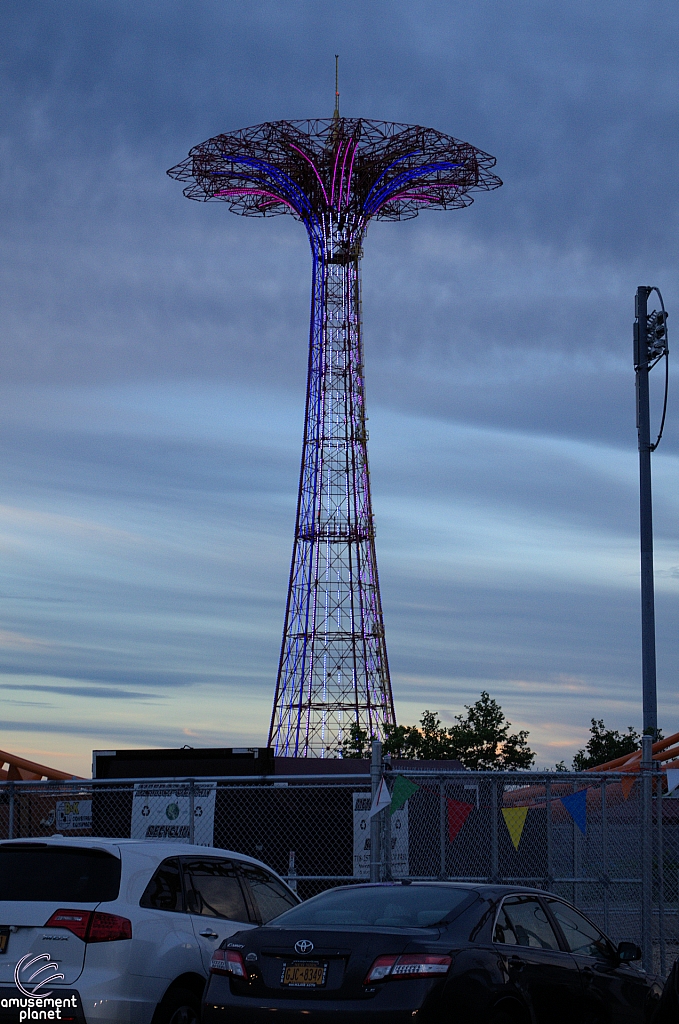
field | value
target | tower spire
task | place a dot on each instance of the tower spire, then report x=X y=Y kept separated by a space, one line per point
x=336 y=115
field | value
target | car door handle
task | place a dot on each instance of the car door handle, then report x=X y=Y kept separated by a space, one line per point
x=517 y=963
x=209 y=934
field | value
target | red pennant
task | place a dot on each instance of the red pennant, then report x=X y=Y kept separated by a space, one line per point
x=458 y=812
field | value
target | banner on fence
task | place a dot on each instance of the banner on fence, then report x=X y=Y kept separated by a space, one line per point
x=73 y=815
x=458 y=812
x=576 y=805
x=400 y=865
x=163 y=811
x=515 y=819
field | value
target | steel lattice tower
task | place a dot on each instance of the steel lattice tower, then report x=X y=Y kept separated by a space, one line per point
x=334 y=175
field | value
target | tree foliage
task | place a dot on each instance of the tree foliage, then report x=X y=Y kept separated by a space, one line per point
x=481 y=739
x=356 y=744
x=605 y=745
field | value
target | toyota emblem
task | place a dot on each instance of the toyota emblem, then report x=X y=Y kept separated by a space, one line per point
x=303 y=946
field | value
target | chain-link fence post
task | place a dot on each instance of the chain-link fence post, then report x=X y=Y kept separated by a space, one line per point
x=494 y=858
x=386 y=844
x=605 y=880
x=660 y=854
x=375 y=823
x=646 y=828
x=10 y=823
x=192 y=810
x=292 y=871
x=549 y=837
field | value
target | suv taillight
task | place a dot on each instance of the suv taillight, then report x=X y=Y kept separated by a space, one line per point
x=92 y=926
x=227 y=961
x=409 y=965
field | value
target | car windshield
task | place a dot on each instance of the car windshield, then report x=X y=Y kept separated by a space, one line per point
x=64 y=874
x=392 y=906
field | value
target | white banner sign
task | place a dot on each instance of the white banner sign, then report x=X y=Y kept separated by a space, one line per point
x=73 y=815
x=163 y=811
x=399 y=838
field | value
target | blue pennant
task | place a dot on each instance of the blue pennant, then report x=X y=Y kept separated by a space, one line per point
x=576 y=805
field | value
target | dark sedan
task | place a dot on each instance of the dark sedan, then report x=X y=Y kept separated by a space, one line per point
x=432 y=952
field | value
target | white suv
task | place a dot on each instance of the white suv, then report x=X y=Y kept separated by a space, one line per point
x=120 y=931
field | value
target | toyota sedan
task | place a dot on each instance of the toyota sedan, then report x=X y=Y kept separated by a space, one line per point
x=432 y=952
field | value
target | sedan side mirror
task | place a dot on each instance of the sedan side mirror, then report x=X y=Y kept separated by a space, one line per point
x=628 y=951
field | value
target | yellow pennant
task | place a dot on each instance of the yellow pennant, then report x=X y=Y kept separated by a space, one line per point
x=515 y=819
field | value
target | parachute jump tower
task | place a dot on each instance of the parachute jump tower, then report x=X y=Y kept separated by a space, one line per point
x=334 y=175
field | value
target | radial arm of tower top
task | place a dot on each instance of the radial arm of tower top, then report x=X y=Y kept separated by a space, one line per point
x=334 y=175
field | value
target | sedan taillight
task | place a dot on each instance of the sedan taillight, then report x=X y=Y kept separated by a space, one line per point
x=409 y=965
x=92 y=926
x=227 y=961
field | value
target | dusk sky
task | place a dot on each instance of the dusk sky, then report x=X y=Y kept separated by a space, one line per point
x=153 y=363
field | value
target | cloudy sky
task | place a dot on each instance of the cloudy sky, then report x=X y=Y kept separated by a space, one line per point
x=152 y=365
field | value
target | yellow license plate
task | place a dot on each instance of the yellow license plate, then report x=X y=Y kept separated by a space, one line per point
x=304 y=975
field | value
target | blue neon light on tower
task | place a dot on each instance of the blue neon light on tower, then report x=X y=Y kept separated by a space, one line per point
x=334 y=175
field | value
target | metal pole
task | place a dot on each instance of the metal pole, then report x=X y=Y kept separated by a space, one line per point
x=548 y=811
x=10 y=827
x=192 y=810
x=648 y=672
x=604 y=853
x=660 y=854
x=387 y=873
x=292 y=871
x=494 y=858
x=442 y=828
x=375 y=779
x=646 y=852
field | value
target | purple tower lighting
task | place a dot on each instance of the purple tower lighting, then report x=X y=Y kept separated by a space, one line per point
x=334 y=175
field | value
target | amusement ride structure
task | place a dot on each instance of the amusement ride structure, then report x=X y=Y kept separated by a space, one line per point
x=334 y=175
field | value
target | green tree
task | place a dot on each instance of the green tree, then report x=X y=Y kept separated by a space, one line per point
x=429 y=741
x=480 y=739
x=605 y=745
x=356 y=744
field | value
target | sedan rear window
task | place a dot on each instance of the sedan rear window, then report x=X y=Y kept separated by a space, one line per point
x=60 y=874
x=393 y=906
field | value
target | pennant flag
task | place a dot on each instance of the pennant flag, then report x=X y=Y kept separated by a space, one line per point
x=672 y=779
x=627 y=784
x=515 y=819
x=402 y=791
x=458 y=812
x=576 y=805
x=381 y=799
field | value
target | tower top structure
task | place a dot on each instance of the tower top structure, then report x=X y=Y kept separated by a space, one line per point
x=352 y=168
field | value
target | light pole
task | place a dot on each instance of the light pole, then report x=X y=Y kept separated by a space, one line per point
x=650 y=345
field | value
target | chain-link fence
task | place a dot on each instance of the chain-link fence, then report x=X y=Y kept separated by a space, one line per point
x=608 y=843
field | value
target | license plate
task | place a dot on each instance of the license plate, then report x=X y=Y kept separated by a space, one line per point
x=304 y=975
x=4 y=938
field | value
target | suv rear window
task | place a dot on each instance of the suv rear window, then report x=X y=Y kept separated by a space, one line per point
x=61 y=874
